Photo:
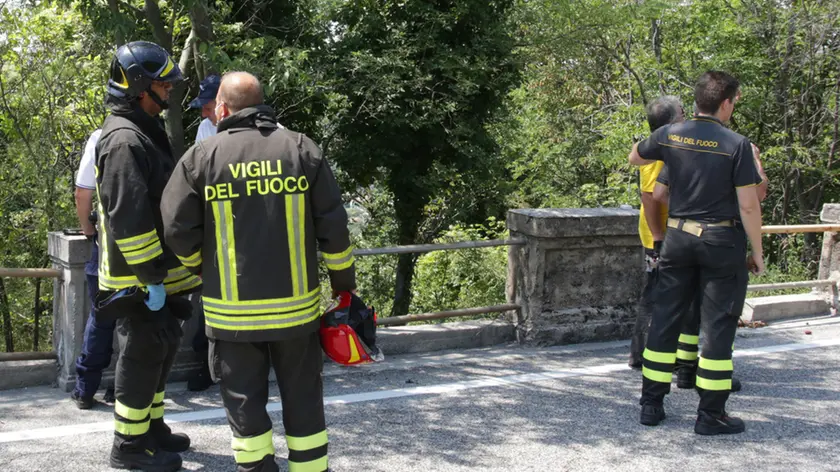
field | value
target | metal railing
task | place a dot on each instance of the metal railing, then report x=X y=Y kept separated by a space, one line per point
x=465 y=312
x=34 y=274
x=425 y=248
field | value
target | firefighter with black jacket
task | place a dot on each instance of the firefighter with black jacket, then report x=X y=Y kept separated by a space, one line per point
x=133 y=163
x=248 y=209
x=712 y=174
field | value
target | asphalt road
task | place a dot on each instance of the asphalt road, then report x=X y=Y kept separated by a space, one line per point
x=571 y=408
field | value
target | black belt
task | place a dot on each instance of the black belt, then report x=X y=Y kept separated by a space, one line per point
x=695 y=227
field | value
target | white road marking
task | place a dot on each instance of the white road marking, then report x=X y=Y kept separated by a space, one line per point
x=219 y=413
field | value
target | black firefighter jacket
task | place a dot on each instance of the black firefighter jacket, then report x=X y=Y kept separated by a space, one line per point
x=133 y=163
x=248 y=209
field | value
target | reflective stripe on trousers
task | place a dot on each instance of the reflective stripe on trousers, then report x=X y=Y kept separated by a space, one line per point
x=254 y=448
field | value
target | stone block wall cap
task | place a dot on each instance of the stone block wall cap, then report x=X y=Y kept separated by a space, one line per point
x=574 y=212
x=573 y=222
x=69 y=250
x=830 y=213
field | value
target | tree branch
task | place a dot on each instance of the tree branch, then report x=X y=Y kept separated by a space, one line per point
x=113 y=5
x=162 y=36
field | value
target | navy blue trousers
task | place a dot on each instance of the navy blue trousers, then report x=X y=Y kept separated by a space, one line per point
x=97 y=346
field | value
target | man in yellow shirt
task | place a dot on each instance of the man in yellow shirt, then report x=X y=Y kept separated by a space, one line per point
x=652 y=217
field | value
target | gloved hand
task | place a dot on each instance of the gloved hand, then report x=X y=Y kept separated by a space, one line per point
x=156 y=297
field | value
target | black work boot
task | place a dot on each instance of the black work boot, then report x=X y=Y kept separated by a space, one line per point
x=201 y=380
x=82 y=403
x=652 y=415
x=709 y=425
x=686 y=376
x=165 y=439
x=148 y=458
x=109 y=397
x=267 y=464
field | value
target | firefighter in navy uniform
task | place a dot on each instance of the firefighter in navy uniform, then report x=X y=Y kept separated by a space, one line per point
x=133 y=163
x=688 y=347
x=712 y=175
x=248 y=209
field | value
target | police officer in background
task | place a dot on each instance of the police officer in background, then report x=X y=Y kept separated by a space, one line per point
x=247 y=209
x=652 y=217
x=133 y=163
x=712 y=175
x=206 y=102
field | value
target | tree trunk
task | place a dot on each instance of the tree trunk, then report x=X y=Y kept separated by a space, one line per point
x=162 y=36
x=115 y=10
x=202 y=24
x=657 y=51
x=7 y=318
x=174 y=115
x=409 y=201
x=402 y=286
x=408 y=222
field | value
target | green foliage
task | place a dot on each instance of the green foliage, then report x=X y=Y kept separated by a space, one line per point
x=419 y=82
x=48 y=61
x=464 y=278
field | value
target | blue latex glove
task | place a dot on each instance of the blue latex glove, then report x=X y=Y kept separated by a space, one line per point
x=156 y=296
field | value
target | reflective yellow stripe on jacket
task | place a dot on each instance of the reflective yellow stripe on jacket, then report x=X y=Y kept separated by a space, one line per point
x=339 y=261
x=295 y=227
x=226 y=249
x=177 y=280
x=251 y=315
x=192 y=261
x=141 y=248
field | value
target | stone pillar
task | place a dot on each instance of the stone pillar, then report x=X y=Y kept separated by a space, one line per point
x=71 y=308
x=830 y=257
x=578 y=277
x=70 y=302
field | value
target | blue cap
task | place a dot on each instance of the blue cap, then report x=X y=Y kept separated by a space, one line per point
x=207 y=91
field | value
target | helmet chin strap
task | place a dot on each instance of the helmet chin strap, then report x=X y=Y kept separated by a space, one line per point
x=162 y=104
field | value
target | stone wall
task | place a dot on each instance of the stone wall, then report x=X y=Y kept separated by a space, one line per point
x=579 y=275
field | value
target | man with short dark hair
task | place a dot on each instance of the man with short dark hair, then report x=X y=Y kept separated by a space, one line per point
x=712 y=175
x=652 y=215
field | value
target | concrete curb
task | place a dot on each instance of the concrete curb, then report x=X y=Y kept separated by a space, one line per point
x=22 y=374
x=779 y=307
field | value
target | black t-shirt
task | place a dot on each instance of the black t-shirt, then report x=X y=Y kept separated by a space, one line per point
x=705 y=163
